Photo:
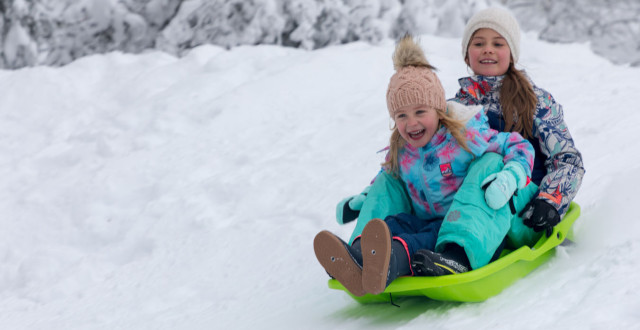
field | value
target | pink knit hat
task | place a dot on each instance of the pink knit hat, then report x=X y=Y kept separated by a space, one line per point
x=414 y=82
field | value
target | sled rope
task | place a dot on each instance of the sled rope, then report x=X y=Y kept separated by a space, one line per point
x=391 y=301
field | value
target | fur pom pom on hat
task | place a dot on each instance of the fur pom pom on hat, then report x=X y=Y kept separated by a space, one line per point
x=414 y=82
x=499 y=20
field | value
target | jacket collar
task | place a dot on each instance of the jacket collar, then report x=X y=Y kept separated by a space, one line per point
x=481 y=87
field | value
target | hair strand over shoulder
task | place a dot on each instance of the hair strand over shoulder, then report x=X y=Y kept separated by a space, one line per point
x=518 y=102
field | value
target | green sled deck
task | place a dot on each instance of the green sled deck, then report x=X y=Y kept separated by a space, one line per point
x=482 y=283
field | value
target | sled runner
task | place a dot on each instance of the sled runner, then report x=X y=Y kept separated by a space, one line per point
x=482 y=283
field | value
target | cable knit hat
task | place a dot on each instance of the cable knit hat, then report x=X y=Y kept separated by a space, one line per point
x=499 y=20
x=414 y=82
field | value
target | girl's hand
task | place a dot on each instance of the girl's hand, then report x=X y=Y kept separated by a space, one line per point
x=540 y=215
x=349 y=208
x=499 y=187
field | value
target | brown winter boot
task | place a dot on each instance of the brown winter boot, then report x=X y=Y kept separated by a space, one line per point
x=376 y=253
x=336 y=257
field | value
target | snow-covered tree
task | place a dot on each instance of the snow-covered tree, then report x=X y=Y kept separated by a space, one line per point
x=612 y=27
x=55 y=32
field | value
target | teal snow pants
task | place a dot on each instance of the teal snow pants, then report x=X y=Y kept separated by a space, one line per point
x=478 y=228
x=387 y=196
x=470 y=222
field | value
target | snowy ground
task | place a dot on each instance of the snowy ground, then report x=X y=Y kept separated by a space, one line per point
x=150 y=192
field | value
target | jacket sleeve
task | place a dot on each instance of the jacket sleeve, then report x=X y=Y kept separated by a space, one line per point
x=564 y=165
x=510 y=145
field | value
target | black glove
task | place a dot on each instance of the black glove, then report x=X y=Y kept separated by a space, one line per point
x=540 y=215
x=349 y=208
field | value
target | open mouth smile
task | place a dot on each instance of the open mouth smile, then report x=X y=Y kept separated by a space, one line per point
x=417 y=135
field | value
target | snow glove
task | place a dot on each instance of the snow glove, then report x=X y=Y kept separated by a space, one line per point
x=500 y=186
x=349 y=208
x=540 y=215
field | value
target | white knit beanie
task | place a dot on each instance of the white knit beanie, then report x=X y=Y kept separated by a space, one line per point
x=499 y=20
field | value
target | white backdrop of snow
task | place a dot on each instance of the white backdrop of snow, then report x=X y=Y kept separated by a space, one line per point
x=151 y=192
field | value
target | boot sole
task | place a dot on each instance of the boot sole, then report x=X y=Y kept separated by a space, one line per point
x=338 y=262
x=376 y=252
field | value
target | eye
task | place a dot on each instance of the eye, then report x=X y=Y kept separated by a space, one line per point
x=420 y=112
x=401 y=116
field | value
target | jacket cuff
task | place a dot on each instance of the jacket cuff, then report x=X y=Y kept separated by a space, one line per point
x=518 y=172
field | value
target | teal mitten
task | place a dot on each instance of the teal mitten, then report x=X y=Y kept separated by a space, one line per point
x=499 y=187
x=349 y=208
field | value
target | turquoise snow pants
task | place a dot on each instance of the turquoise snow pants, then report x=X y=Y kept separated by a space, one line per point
x=478 y=228
x=470 y=222
x=387 y=196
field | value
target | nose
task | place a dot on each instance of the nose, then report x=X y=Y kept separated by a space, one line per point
x=412 y=121
x=488 y=50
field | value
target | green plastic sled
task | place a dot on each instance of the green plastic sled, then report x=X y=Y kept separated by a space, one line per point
x=482 y=283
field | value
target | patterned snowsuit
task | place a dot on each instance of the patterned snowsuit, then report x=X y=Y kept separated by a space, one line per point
x=558 y=168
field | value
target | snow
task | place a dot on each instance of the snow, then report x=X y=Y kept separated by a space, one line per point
x=154 y=192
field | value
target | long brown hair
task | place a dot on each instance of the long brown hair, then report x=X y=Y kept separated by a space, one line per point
x=455 y=126
x=518 y=102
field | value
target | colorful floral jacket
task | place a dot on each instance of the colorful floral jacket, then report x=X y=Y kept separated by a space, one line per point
x=434 y=173
x=558 y=167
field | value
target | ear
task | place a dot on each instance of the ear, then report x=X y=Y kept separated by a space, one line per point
x=392 y=124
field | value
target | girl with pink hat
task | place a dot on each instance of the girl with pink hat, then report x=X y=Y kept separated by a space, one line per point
x=432 y=147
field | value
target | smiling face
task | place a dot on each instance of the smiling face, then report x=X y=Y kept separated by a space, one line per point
x=417 y=124
x=488 y=53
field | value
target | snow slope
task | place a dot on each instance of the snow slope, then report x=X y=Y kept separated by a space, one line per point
x=150 y=192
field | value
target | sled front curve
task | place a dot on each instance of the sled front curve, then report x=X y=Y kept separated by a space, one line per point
x=482 y=283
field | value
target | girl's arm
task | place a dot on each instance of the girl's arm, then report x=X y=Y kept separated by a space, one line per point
x=518 y=156
x=510 y=145
x=564 y=162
